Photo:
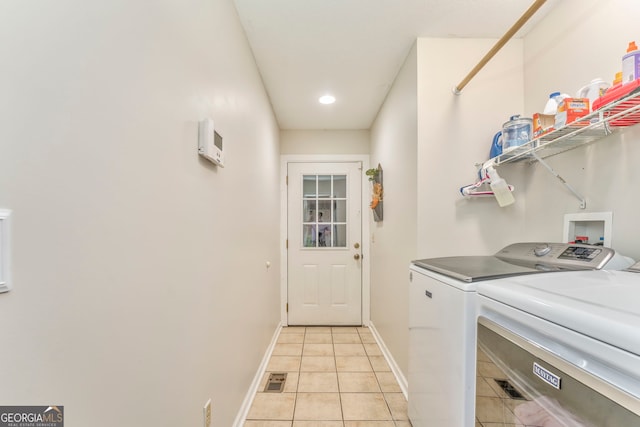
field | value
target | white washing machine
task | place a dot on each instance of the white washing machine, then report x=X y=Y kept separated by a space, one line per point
x=442 y=320
x=565 y=347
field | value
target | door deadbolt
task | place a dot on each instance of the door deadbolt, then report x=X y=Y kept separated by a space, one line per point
x=356 y=245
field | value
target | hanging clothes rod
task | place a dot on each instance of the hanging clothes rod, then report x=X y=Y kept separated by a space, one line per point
x=507 y=36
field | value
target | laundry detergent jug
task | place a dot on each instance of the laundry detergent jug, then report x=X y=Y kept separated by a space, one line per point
x=593 y=90
x=496 y=145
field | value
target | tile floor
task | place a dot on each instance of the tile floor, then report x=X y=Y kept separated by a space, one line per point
x=336 y=377
x=494 y=407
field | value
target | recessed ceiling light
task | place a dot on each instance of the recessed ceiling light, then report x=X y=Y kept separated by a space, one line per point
x=327 y=99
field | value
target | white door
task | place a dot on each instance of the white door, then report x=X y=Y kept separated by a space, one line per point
x=324 y=256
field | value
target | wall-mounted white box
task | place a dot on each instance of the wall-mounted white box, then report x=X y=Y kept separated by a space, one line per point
x=5 y=277
x=210 y=142
x=596 y=226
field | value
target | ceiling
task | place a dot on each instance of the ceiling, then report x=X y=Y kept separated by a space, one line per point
x=353 y=49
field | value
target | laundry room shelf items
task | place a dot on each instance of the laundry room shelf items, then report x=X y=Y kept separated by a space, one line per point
x=587 y=129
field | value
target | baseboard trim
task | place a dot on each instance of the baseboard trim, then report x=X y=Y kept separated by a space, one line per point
x=255 y=384
x=395 y=369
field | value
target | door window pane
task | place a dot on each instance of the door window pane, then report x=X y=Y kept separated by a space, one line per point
x=340 y=211
x=324 y=186
x=340 y=236
x=324 y=211
x=309 y=236
x=309 y=211
x=324 y=235
x=340 y=186
x=309 y=186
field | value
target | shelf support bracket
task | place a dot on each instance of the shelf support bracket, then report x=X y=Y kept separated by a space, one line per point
x=583 y=202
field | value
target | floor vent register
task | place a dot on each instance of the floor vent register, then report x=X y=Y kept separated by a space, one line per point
x=275 y=383
x=509 y=389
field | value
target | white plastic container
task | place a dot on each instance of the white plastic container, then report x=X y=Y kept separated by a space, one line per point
x=516 y=132
x=631 y=64
x=555 y=99
x=593 y=91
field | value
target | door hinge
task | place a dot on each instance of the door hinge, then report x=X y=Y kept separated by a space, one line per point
x=286 y=244
x=287 y=307
x=286 y=179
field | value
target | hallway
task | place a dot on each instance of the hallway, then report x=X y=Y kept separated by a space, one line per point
x=336 y=377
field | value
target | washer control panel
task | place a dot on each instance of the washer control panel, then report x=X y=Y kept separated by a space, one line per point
x=560 y=256
x=580 y=253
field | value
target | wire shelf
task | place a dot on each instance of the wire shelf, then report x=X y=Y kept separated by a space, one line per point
x=587 y=129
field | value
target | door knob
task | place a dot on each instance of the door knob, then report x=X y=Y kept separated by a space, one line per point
x=356 y=256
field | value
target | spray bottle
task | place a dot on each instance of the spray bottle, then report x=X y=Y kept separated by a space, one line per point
x=500 y=188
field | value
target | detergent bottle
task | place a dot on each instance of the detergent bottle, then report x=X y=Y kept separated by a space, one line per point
x=593 y=91
x=555 y=99
x=631 y=63
x=496 y=145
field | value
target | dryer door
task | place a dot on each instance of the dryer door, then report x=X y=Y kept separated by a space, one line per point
x=520 y=383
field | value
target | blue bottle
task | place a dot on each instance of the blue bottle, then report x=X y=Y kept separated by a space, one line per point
x=496 y=146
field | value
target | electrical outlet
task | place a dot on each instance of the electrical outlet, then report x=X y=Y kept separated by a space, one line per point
x=207 y=413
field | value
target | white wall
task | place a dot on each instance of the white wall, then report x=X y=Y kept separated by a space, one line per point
x=455 y=133
x=393 y=240
x=578 y=41
x=428 y=141
x=333 y=142
x=581 y=40
x=140 y=287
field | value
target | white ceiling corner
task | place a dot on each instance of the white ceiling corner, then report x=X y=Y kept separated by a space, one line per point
x=353 y=49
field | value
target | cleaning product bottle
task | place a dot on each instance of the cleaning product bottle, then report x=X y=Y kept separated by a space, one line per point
x=496 y=145
x=555 y=99
x=594 y=90
x=617 y=82
x=631 y=63
x=617 y=79
x=500 y=188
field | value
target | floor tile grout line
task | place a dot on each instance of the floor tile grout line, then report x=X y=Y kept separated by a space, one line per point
x=335 y=364
x=295 y=399
x=340 y=392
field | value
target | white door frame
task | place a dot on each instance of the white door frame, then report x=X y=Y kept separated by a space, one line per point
x=366 y=266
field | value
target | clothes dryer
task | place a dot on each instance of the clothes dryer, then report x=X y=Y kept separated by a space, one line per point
x=442 y=320
x=566 y=346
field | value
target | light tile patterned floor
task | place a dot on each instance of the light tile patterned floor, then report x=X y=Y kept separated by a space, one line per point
x=336 y=377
